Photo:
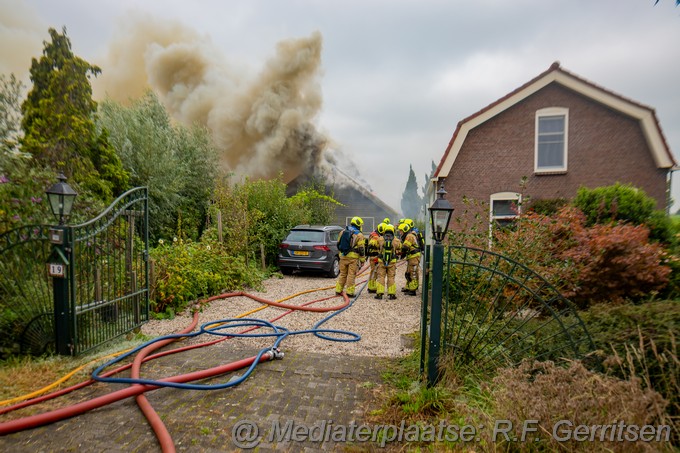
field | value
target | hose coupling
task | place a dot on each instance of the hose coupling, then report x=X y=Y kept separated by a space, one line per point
x=276 y=353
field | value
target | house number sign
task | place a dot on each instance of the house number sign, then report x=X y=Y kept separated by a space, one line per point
x=56 y=270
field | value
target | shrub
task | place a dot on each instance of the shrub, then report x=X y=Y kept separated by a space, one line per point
x=186 y=271
x=625 y=203
x=615 y=262
x=616 y=202
x=537 y=242
x=470 y=225
x=663 y=229
x=672 y=290
x=22 y=192
x=587 y=264
x=547 y=206
x=260 y=213
x=317 y=201
x=549 y=394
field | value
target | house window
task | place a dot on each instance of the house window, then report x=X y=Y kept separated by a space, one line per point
x=551 y=140
x=504 y=209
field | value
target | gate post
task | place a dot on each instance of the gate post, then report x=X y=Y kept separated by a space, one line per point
x=427 y=277
x=435 y=314
x=440 y=216
x=61 y=196
x=58 y=269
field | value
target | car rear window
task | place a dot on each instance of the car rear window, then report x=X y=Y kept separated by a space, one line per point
x=305 y=236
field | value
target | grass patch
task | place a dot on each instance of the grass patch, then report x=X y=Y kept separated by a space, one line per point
x=26 y=375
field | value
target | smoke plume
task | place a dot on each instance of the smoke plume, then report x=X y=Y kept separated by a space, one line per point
x=21 y=35
x=262 y=124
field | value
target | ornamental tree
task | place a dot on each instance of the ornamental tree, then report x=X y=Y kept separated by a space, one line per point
x=59 y=121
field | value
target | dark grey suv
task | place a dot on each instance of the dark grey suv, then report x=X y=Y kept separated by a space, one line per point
x=311 y=248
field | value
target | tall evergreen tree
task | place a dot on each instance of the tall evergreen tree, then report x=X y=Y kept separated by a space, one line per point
x=59 y=121
x=426 y=184
x=411 y=202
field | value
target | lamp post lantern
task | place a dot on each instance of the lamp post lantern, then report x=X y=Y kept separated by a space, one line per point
x=440 y=215
x=61 y=197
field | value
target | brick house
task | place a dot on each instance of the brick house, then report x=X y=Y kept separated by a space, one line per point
x=558 y=132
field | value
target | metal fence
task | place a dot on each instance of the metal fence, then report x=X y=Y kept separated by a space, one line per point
x=101 y=293
x=496 y=311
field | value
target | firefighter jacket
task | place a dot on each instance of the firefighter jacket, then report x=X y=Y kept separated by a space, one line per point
x=409 y=246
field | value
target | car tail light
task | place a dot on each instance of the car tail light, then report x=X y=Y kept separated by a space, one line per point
x=322 y=247
x=283 y=246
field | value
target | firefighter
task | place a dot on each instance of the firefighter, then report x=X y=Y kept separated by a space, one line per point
x=390 y=249
x=411 y=251
x=372 y=249
x=351 y=244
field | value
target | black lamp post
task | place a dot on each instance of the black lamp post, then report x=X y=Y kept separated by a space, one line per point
x=440 y=215
x=61 y=197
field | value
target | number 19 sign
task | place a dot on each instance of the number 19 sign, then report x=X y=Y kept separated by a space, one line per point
x=56 y=270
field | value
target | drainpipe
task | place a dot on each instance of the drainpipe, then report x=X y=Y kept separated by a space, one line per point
x=669 y=186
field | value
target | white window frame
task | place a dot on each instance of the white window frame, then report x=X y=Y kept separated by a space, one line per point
x=552 y=111
x=503 y=196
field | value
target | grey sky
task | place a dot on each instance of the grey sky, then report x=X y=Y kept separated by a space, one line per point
x=398 y=75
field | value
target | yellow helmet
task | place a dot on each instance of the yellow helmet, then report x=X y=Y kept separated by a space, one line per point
x=389 y=229
x=386 y=220
x=381 y=228
x=357 y=222
x=404 y=227
x=410 y=223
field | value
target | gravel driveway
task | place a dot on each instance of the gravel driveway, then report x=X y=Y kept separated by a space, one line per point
x=384 y=325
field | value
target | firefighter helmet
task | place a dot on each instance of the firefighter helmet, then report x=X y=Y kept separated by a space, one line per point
x=381 y=228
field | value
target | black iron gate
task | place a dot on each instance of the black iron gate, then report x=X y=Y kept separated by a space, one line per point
x=109 y=272
x=27 y=319
x=496 y=312
x=96 y=289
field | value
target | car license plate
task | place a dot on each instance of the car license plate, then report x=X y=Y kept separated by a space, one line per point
x=300 y=253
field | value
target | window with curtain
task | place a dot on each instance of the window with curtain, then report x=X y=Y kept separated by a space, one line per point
x=504 y=208
x=551 y=140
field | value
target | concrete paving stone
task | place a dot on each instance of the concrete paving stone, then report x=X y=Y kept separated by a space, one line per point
x=305 y=388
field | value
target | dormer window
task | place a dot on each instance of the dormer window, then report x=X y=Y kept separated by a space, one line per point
x=551 y=140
